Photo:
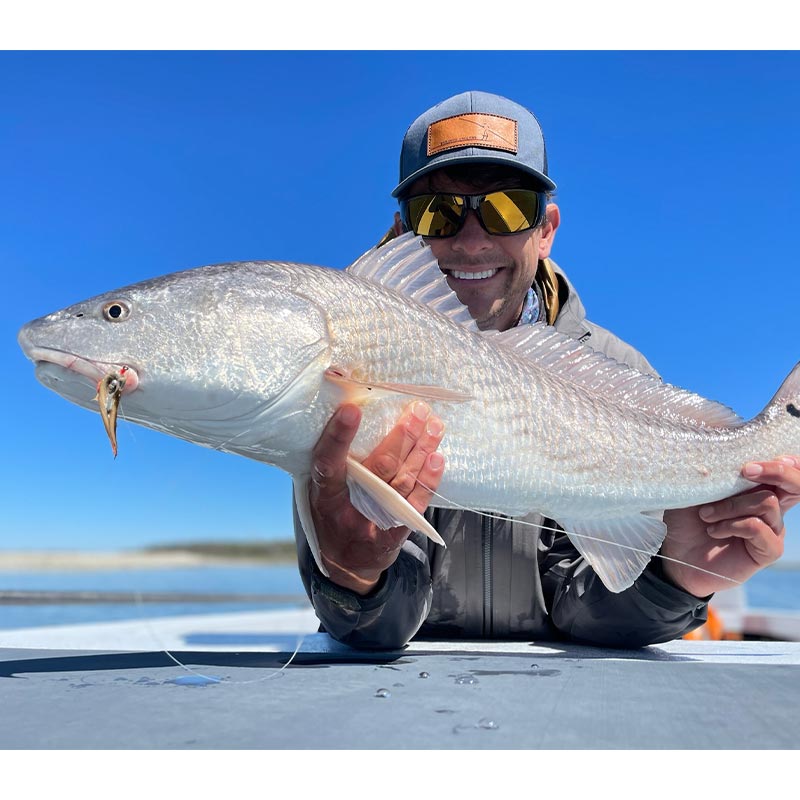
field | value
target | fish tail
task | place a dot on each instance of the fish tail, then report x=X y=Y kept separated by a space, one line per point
x=788 y=396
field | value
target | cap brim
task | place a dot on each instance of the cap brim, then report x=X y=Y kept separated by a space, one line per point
x=475 y=158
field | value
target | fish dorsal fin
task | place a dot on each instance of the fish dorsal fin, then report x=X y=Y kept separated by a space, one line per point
x=601 y=374
x=407 y=266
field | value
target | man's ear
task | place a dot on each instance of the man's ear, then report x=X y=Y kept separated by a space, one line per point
x=552 y=221
x=397 y=229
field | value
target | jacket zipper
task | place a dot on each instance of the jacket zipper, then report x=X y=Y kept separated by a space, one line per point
x=487 y=527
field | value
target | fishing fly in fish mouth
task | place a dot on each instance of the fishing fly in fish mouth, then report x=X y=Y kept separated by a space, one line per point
x=109 y=392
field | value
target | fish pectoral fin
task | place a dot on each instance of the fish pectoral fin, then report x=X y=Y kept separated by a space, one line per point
x=303 y=504
x=379 y=502
x=356 y=391
x=617 y=549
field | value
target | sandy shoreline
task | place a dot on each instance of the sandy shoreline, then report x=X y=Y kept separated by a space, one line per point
x=77 y=561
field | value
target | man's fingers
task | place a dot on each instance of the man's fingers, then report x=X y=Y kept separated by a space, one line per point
x=754 y=517
x=329 y=457
x=387 y=458
x=764 y=544
x=408 y=474
x=402 y=459
x=761 y=503
x=783 y=473
x=427 y=482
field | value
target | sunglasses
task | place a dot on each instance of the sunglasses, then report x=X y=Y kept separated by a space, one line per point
x=500 y=213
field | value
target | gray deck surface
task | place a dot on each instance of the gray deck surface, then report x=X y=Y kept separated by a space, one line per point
x=473 y=695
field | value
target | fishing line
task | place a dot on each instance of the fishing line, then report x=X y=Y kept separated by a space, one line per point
x=585 y=536
x=210 y=679
x=162 y=648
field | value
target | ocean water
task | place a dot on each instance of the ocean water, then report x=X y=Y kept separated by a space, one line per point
x=245 y=579
x=774 y=588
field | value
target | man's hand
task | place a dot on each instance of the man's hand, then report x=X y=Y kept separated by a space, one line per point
x=735 y=537
x=354 y=550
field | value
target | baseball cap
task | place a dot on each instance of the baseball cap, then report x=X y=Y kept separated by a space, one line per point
x=473 y=127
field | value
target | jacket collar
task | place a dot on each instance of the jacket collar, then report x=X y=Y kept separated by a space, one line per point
x=571 y=318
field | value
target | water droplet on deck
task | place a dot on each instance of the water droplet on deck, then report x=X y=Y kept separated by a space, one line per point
x=534 y=666
x=194 y=680
x=383 y=693
x=460 y=728
x=424 y=675
x=466 y=679
x=488 y=724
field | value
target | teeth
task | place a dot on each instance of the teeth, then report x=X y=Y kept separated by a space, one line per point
x=472 y=276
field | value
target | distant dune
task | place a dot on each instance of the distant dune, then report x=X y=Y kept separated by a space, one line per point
x=184 y=554
x=188 y=554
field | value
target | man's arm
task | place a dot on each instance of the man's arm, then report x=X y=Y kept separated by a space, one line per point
x=353 y=549
x=378 y=592
x=581 y=608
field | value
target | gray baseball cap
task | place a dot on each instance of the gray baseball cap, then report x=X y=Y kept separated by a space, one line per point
x=473 y=127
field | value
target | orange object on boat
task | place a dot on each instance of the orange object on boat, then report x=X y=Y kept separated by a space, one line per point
x=712 y=629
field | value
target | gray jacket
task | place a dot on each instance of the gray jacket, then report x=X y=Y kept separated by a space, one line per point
x=499 y=578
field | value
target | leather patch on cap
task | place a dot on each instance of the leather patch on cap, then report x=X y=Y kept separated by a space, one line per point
x=472 y=130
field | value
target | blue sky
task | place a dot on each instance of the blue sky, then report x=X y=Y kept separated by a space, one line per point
x=677 y=175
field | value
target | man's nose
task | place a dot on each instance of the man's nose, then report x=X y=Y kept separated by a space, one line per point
x=472 y=238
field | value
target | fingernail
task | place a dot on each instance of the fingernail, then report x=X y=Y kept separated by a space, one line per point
x=421 y=410
x=706 y=511
x=434 y=427
x=436 y=460
x=348 y=415
x=792 y=462
x=752 y=470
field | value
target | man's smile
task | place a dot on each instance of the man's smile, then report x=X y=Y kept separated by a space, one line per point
x=472 y=276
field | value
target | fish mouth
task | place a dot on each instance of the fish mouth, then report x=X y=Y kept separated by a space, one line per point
x=89 y=368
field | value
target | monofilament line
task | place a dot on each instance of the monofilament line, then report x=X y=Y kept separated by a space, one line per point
x=585 y=536
x=165 y=650
x=208 y=678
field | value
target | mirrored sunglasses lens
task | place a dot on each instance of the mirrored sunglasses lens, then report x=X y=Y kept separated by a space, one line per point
x=510 y=211
x=436 y=214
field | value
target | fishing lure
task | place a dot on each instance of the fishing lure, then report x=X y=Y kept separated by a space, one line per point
x=109 y=391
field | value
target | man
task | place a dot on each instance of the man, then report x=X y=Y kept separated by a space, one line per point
x=500 y=577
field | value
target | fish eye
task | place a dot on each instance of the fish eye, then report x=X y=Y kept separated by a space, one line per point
x=116 y=311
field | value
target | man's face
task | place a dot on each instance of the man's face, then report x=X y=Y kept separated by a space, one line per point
x=490 y=274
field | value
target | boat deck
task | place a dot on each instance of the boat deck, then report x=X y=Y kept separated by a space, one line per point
x=112 y=686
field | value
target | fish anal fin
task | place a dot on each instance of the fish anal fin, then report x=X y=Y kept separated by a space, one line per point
x=617 y=549
x=379 y=502
x=358 y=391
